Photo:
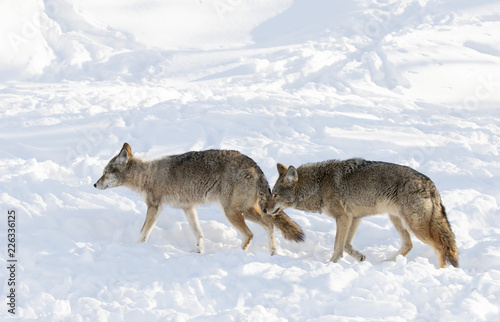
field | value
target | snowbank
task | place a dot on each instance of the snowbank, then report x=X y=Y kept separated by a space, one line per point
x=410 y=82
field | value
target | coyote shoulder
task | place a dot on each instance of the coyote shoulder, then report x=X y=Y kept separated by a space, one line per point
x=351 y=189
x=193 y=178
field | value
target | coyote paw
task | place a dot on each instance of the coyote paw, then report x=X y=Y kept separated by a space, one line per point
x=197 y=250
x=246 y=243
x=357 y=255
x=200 y=247
x=336 y=258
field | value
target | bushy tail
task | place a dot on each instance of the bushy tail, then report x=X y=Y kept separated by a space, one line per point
x=442 y=230
x=285 y=224
x=288 y=227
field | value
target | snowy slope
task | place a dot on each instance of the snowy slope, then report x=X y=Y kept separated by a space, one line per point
x=290 y=81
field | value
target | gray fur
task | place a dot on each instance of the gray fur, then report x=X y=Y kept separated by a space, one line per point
x=351 y=189
x=193 y=178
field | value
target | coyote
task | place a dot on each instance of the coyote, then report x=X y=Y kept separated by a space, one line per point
x=351 y=189
x=193 y=178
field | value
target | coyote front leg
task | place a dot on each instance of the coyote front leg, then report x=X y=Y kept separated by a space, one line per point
x=348 y=244
x=151 y=218
x=343 y=224
x=192 y=217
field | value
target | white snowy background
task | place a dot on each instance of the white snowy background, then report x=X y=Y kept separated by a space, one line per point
x=415 y=82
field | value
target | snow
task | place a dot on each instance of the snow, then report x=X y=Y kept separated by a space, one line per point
x=413 y=82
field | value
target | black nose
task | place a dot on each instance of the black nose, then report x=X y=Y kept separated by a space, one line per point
x=95 y=185
x=265 y=211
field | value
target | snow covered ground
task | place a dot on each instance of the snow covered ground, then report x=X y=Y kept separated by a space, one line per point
x=415 y=82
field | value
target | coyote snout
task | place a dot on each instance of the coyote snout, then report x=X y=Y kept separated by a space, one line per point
x=282 y=195
x=271 y=208
x=105 y=182
x=193 y=178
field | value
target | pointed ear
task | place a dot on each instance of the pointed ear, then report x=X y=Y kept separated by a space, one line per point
x=291 y=175
x=127 y=147
x=124 y=155
x=281 y=169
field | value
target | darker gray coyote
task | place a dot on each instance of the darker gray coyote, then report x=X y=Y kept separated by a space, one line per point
x=351 y=189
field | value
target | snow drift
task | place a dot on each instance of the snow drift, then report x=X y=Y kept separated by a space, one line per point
x=411 y=82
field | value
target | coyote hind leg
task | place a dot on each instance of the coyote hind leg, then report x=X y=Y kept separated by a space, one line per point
x=268 y=226
x=236 y=219
x=406 y=244
x=348 y=244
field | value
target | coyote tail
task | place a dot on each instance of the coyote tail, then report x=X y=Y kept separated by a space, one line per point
x=442 y=230
x=288 y=227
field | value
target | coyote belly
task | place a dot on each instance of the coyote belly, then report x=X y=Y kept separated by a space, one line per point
x=193 y=178
x=351 y=189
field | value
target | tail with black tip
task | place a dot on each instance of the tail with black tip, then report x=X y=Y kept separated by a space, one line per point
x=288 y=227
x=282 y=221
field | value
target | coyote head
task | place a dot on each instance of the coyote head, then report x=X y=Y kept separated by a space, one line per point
x=283 y=194
x=114 y=172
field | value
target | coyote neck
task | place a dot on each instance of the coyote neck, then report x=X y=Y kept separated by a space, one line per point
x=136 y=175
x=306 y=193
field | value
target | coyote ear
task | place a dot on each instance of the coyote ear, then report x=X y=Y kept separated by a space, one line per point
x=127 y=147
x=291 y=175
x=281 y=169
x=124 y=154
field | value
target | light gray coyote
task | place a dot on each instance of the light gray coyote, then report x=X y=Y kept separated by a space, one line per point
x=193 y=178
